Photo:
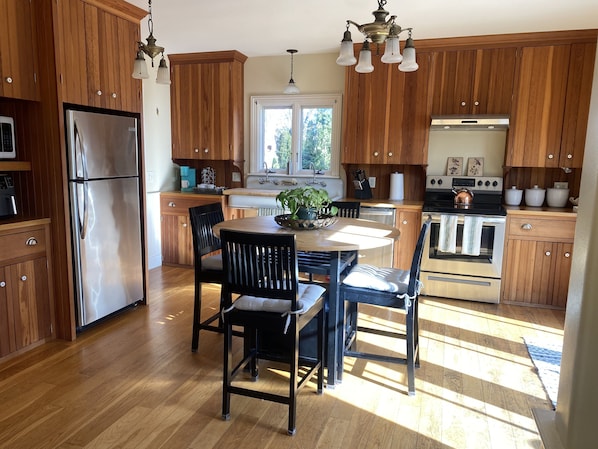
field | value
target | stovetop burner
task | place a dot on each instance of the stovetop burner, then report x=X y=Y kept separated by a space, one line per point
x=487 y=195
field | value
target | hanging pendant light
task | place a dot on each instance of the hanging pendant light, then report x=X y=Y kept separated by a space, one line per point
x=291 y=87
x=152 y=50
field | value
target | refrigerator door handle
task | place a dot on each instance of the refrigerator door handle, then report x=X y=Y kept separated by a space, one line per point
x=80 y=155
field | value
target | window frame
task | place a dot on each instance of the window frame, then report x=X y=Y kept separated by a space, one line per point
x=296 y=103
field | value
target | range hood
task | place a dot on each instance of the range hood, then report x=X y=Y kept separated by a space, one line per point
x=469 y=122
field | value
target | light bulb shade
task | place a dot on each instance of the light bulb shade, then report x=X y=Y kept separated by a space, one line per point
x=409 y=63
x=163 y=76
x=365 y=60
x=291 y=88
x=140 y=67
x=346 y=56
x=392 y=53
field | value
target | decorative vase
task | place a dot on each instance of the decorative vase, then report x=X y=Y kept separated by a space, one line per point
x=305 y=213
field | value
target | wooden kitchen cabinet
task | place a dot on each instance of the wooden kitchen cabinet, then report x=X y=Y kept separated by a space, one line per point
x=538 y=259
x=177 y=238
x=96 y=49
x=25 y=290
x=551 y=107
x=408 y=221
x=387 y=113
x=18 y=54
x=207 y=105
x=476 y=81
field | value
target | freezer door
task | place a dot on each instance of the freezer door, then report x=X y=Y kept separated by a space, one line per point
x=101 y=145
x=108 y=254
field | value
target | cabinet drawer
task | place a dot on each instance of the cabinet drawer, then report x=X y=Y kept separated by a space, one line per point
x=179 y=205
x=549 y=229
x=24 y=243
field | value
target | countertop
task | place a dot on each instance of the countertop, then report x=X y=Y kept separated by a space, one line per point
x=541 y=211
x=15 y=223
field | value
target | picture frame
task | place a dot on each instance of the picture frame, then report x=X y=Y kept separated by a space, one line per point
x=475 y=166
x=454 y=166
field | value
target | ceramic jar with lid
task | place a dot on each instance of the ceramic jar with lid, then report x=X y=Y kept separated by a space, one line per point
x=513 y=196
x=534 y=197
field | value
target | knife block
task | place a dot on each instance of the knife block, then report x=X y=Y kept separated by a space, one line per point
x=365 y=192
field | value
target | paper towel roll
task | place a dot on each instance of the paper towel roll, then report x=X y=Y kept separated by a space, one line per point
x=397 y=192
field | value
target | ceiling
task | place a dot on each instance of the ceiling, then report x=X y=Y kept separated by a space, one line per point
x=268 y=28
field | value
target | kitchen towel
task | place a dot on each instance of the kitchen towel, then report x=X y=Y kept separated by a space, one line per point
x=447 y=234
x=472 y=235
x=397 y=187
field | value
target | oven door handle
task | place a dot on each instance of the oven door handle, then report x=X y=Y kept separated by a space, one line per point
x=488 y=220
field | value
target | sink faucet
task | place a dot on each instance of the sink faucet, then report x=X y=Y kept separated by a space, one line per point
x=267 y=172
x=313 y=167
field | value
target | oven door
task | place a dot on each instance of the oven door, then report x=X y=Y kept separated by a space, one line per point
x=487 y=264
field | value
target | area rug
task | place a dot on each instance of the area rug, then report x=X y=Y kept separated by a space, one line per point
x=546 y=357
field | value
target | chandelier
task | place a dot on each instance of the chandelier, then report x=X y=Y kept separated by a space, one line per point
x=291 y=88
x=152 y=50
x=380 y=31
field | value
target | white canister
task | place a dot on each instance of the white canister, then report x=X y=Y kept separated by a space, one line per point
x=513 y=196
x=557 y=197
x=534 y=197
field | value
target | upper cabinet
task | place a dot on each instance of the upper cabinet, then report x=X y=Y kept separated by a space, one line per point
x=474 y=81
x=387 y=114
x=550 y=113
x=96 y=50
x=18 y=55
x=206 y=97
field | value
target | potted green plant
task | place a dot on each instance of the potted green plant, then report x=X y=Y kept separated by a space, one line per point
x=305 y=203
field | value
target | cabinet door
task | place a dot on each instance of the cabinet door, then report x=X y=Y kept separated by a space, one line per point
x=409 y=224
x=537 y=119
x=201 y=111
x=577 y=104
x=18 y=56
x=177 y=240
x=408 y=113
x=453 y=87
x=7 y=327
x=518 y=270
x=563 y=253
x=29 y=299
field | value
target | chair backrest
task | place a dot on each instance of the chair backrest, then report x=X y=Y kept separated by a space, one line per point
x=202 y=219
x=417 y=258
x=262 y=265
x=348 y=209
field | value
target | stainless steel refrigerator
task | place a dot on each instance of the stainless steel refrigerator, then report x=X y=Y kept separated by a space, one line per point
x=105 y=206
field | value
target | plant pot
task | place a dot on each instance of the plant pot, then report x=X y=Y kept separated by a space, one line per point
x=304 y=213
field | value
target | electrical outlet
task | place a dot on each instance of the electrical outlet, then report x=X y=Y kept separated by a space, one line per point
x=372 y=181
x=236 y=176
x=561 y=185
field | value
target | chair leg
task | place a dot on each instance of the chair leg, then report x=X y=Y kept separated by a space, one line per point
x=321 y=324
x=416 y=331
x=410 y=325
x=294 y=372
x=196 y=317
x=227 y=366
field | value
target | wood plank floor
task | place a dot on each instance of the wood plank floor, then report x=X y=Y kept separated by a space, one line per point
x=133 y=382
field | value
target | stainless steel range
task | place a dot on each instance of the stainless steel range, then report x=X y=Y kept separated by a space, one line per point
x=463 y=254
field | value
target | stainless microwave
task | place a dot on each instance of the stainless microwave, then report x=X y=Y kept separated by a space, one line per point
x=7 y=138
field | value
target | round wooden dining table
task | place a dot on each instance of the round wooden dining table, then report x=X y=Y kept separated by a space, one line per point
x=345 y=236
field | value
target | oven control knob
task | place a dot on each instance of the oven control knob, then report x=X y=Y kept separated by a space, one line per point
x=487 y=183
x=432 y=181
x=495 y=183
x=440 y=182
x=480 y=183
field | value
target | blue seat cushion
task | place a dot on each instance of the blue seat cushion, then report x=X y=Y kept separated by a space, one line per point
x=376 y=278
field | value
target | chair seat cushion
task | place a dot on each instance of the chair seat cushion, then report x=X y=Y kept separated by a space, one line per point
x=380 y=279
x=308 y=295
x=212 y=263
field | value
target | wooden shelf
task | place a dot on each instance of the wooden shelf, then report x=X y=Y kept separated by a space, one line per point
x=15 y=166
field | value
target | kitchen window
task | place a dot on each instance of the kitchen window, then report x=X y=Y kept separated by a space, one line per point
x=296 y=135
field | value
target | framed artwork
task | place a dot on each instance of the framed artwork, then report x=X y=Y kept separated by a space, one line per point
x=454 y=166
x=475 y=166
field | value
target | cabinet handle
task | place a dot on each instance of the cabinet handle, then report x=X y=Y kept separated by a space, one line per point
x=463 y=103
x=376 y=153
x=31 y=241
x=551 y=156
x=23 y=278
x=171 y=204
x=184 y=225
x=205 y=150
x=196 y=150
x=2 y=284
x=569 y=156
x=390 y=154
x=547 y=253
x=567 y=254
x=8 y=80
x=477 y=103
x=526 y=226
x=113 y=95
x=99 y=93
x=404 y=222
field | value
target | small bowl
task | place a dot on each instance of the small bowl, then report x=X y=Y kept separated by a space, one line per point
x=534 y=197
x=557 y=197
x=513 y=196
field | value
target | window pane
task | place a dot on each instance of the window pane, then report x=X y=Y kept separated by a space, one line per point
x=277 y=137
x=316 y=137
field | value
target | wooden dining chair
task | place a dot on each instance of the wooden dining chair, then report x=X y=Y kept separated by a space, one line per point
x=207 y=264
x=392 y=288
x=261 y=271
x=348 y=209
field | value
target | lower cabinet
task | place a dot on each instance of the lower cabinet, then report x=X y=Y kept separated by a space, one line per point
x=538 y=259
x=177 y=238
x=25 y=293
x=409 y=223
